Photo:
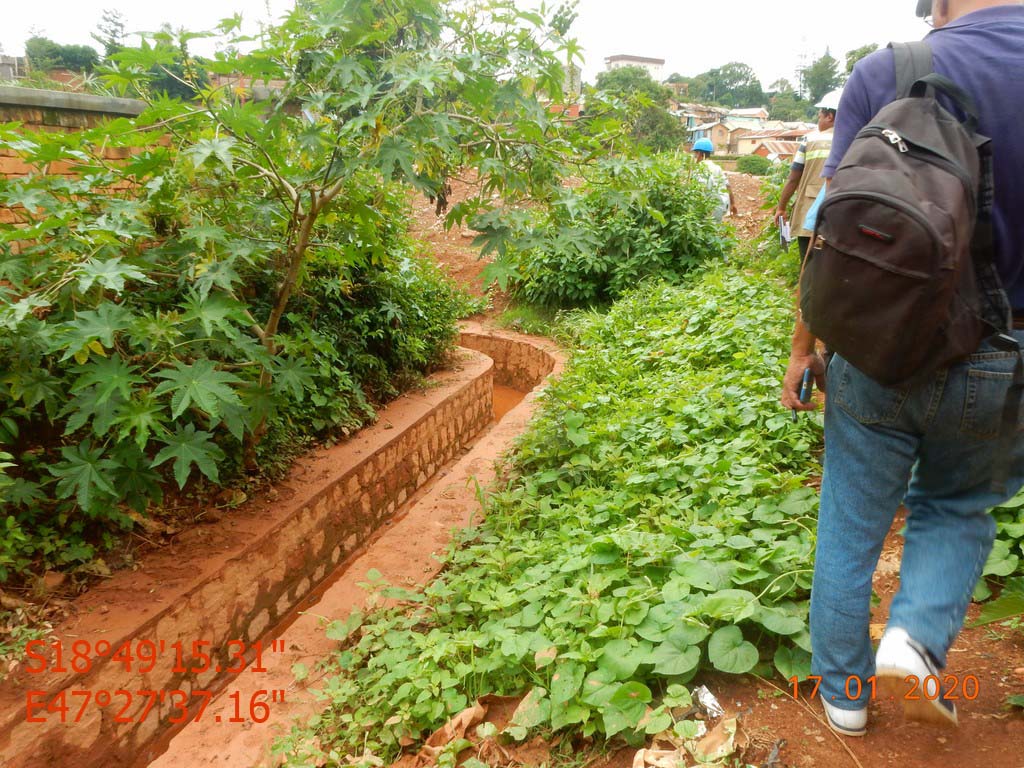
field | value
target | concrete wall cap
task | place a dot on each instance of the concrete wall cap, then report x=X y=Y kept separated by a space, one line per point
x=84 y=102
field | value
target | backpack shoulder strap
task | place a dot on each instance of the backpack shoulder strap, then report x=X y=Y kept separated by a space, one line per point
x=913 y=61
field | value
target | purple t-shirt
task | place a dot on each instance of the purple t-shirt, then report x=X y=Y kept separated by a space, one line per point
x=982 y=52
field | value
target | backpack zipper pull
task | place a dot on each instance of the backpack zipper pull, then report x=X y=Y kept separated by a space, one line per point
x=896 y=139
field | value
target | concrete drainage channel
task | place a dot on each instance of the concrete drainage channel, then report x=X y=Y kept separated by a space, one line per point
x=257 y=581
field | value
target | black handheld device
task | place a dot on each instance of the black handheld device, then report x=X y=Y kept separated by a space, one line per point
x=806 y=386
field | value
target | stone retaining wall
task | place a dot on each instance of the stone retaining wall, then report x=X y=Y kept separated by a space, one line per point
x=519 y=361
x=254 y=591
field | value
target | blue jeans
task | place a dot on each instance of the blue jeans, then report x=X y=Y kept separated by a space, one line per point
x=933 y=447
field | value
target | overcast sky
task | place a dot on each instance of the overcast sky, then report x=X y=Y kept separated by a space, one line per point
x=691 y=36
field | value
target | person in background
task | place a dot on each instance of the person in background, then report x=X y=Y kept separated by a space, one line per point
x=934 y=445
x=717 y=181
x=805 y=175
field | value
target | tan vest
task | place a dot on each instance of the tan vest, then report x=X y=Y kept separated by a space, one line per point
x=819 y=145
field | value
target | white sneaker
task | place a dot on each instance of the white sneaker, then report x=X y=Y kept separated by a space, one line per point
x=846 y=722
x=906 y=672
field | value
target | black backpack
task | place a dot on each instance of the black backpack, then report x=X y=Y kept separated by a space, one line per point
x=901 y=280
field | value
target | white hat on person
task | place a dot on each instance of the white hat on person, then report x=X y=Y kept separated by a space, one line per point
x=830 y=100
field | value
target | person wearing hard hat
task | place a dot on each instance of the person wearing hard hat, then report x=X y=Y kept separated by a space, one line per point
x=717 y=181
x=805 y=175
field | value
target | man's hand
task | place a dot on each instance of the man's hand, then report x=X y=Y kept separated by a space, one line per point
x=794 y=376
x=780 y=213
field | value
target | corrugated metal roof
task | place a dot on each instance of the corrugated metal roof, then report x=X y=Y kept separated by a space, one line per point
x=780 y=148
x=777 y=134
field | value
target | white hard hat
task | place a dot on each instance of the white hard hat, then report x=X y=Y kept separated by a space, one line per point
x=830 y=100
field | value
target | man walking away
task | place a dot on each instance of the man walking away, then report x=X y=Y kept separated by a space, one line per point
x=934 y=445
x=716 y=180
x=805 y=174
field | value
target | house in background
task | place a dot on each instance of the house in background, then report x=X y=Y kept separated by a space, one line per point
x=754 y=116
x=694 y=116
x=724 y=134
x=653 y=66
x=738 y=131
x=749 y=143
x=777 y=150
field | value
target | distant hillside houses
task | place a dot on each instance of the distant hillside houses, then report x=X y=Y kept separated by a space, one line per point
x=743 y=131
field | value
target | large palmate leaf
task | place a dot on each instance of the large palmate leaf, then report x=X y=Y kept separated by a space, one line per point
x=92 y=330
x=108 y=375
x=188 y=447
x=220 y=148
x=140 y=418
x=84 y=474
x=110 y=274
x=216 y=312
x=199 y=384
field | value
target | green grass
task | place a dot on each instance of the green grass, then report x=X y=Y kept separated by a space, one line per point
x=527 y=318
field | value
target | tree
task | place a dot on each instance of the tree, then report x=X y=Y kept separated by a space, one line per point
x=852 y=57
x=821 y=76
x=628 y=82
x=658 y=130
x=782 y=85
x=165 y=320
x=732 y=85
x=172 y=70
x=44 y=54
x=110 y=32
x=790 y=107
x=645 y=99
x=415 y=90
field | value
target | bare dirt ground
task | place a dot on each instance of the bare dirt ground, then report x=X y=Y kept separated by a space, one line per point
x=452 y=248
x=746 y=191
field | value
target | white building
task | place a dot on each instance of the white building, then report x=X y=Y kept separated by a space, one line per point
x=654 y=67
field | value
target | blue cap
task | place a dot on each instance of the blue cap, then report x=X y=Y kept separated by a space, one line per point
x=704 y=145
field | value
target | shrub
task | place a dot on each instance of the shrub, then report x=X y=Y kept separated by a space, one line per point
x=755 y=165
x=127 y=357
x=44 y=54
x=237 y=277
x=636 y=219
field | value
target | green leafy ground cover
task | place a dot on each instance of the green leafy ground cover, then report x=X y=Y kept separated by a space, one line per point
x=657 y=523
